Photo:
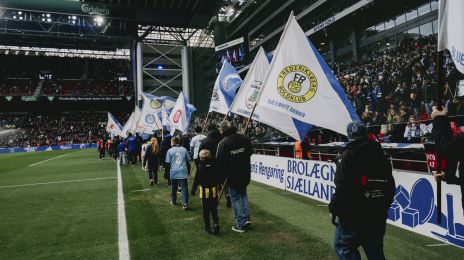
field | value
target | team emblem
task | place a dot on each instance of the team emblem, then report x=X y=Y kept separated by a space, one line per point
x=297 y=84
x=149 y=119
x=155 y=104
x=253 y=94
x=177 y=116
x=230 y=81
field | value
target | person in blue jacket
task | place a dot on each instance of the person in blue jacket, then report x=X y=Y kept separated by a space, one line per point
x=131 y=149
x=177 y=161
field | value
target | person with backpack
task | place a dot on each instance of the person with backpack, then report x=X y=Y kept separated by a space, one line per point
x=364 y=190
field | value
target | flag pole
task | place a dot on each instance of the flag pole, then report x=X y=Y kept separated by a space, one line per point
x=439 y=101
x=205 y=124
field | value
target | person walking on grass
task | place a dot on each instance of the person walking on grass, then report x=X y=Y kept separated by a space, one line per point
x=364 y=190
x=122 y=153
x=131 y=149
x=195 y=144
x=233 y=159
x=208 y=181
x=101 y=148
x=151 y=161
x=177 y=162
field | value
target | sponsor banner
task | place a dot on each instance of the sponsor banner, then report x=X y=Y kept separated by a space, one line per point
x=414 y=206
x=312 y=179
x=47 y=148
x=229 y=44
x=116 y=98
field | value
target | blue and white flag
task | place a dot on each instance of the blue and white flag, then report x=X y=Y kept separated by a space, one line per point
x=450 y=31
x=301 y=85
x=249 y=93
x=149 y=119
x=225 y=89
x=113 y=126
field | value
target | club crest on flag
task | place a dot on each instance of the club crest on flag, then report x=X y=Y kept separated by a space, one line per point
x=150 y=119
x=155 y=104
x=253 y=93
x=230 y=81
x=177 y=116
x=296 y=83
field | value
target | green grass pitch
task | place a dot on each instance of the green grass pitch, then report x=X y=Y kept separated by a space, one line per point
x=66 y=208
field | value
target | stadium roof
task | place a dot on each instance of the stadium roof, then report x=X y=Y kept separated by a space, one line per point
x=104 y=24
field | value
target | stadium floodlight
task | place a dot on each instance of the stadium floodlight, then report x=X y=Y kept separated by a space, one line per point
x=160 y=67
x=49 y=20
x=98 y=20
x=19 y=12
x=14 y=17
x=43 y=19
x=48 y=15
x=74 y=17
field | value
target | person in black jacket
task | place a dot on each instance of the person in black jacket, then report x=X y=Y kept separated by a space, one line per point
x=364 y=190
x=151 y=161
x=450 y=147
x=210 y=142
x=208 y=180
x=233 y=159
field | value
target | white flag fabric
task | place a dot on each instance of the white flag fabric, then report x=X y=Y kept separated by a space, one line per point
x=450 y=30
x=135 y=128
x=250 y=92
x=225 y=89
x=127 y=127
x=112 y=126
x=149 y=120
x=178 y=116
x=300 y=84
x=164 y=117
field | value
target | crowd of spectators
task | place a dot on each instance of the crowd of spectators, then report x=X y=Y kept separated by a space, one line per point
x=395 y=90
x=63 y=75
x=30 y=130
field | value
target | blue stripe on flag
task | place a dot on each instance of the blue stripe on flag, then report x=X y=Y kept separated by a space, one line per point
x=335 y=84
x=302 y=127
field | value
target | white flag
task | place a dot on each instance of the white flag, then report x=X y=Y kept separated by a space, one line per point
x=112 y=126
x=178 y=116
x=225 y=89
x=250 y=92
x=301 y=85
x=164 y=117
x=450 y=30
x=135 y=127
x=127 y=127
x=149 y=120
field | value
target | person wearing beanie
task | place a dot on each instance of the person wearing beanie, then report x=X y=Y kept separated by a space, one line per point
x=364 y=190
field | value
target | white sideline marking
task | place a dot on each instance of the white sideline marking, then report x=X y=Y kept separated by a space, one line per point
x=54 y=182
x=321 y=205
x=122 y=226
x=48 y=159
x=439 y=245
x=141 y=190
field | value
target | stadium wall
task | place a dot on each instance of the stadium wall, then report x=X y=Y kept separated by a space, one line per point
x=414 y=207
x=47 y=148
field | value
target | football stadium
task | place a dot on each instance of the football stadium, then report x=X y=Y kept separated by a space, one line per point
x=231 y=129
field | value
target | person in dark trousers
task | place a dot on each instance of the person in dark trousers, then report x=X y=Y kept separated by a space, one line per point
x=131 y=144
x=210 y=142
x=101 y=148
x=151 y=161
x=164 y=147
x=233 y=159
x=364 y=190
x=208 y=180
x=138 y=145
x=450 y=146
